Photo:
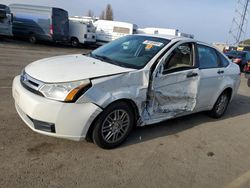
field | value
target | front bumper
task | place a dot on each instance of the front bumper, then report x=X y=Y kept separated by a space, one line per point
x=67 y=120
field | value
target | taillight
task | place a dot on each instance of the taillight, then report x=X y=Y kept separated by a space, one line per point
x=237 y=60
x=51 y=31
x=247 y=67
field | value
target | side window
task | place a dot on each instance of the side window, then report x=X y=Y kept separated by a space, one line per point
x=223 y=60
x=207 y=57
x=181 y=57
x=248 y=56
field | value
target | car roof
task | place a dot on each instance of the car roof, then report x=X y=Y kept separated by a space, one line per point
x=177 y=39
x=239 y=52
x=169 y=37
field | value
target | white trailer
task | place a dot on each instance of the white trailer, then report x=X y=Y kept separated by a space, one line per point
x=6 y=21
x=185 y=35
x=107 y=31
x=81 y=31
x=164 y=31
x=161 y=31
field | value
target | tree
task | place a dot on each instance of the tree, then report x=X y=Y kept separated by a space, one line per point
x=102 y=16
x=90 y=13
x=109 y=13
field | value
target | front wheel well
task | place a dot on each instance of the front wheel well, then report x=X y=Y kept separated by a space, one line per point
x=129 y=102
x=229 y=91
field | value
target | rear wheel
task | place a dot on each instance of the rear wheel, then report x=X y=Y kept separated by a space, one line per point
x=32 y=38
x=75 y=42
x=248 y=82
x=113 y=125
x=220 y=105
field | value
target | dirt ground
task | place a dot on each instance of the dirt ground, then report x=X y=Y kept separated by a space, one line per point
x=190 y=152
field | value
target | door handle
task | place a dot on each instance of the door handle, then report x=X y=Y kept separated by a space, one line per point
x=220 y=72
x=192 y=74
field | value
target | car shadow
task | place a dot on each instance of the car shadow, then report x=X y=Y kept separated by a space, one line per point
x=239 y=106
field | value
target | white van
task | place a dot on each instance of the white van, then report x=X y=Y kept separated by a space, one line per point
x=6 y=20
x=40 y=23
x=81 y=32
x=107 y=31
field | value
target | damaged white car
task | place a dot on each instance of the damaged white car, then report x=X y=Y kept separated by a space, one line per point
x=136 y=80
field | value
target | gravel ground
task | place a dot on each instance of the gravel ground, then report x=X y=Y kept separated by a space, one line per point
x=193 y=151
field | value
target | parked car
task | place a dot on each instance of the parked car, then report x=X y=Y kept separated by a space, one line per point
x=239 y=57
x=40 y=23
x=136 y=80
x=6 y=20
x=247 y=73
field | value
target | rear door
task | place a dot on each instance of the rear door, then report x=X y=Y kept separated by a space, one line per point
x=175 y=85
x=60 y=24
x=211 y=76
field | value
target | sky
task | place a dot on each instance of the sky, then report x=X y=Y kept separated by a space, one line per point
x=208 y=20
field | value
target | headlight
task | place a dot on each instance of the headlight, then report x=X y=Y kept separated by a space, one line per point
x=67 y=92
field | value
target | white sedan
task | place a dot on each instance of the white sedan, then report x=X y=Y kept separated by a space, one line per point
x=136 y=80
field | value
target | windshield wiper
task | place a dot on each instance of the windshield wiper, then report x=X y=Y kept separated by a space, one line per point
x=107 y=59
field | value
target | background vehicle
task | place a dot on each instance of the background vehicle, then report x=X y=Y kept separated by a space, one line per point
x=107 y=31
x=81 y=31
x=239 y=57
x=6 y=20
x=247 y=73
x=40 y=23
x=229 y=48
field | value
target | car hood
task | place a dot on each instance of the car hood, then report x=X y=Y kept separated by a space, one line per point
x=71 y=68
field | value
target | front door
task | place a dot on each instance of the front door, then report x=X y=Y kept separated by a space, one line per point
x=175 y=84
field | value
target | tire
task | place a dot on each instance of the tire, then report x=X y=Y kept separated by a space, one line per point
x=32 y=39
x=248 y=82
x=220 y=106
x=113 y=125
x=74 y=42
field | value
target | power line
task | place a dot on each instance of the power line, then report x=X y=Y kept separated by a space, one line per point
x=237 y=32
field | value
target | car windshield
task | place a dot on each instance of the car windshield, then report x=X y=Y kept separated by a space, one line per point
x=132 y=51
x=235 y=54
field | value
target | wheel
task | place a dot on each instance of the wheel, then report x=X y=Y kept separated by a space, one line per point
x=32 y=38
x=248 y=82
x=220 y=105
x=113 y=125
x=74 y=42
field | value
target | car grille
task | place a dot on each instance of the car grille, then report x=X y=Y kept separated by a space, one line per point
x=31 y=84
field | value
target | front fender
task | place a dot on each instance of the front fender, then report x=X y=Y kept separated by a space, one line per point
x=104 y=91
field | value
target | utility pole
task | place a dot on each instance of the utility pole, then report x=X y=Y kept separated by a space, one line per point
x=237 y=32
